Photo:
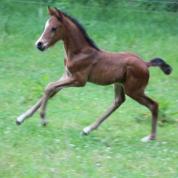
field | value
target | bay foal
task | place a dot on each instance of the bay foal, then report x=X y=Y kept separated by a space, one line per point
x=85 y=62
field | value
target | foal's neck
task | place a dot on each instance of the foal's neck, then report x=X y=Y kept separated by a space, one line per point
x=74 y=41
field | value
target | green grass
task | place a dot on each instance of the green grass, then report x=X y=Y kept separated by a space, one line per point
x=114 y=150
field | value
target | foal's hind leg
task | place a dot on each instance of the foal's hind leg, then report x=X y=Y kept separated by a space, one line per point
x=119 y=99
x=153 y=107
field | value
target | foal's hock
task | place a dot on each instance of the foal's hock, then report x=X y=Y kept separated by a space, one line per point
x=85 y=62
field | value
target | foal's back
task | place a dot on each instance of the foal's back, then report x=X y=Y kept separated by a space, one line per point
x=118 y=68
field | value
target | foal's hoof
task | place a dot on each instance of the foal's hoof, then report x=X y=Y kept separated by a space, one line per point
x=44 y=123
x=86 y=131
x=18 y=122
x=20 y=119
x=83 y=133
x=148 y=138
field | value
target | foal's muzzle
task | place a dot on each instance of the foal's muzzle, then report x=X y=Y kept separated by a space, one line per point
x=40 y=46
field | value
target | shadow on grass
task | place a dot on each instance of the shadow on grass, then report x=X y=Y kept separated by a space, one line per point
x=163 y=119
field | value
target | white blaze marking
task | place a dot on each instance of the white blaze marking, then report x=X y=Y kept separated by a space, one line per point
x=41 y=37
x=47 y=24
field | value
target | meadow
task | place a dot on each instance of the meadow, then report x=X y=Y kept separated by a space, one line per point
x=58 y=150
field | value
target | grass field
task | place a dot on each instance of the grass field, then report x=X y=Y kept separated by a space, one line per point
x=114 y=150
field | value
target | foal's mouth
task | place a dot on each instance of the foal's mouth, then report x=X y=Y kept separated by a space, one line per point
x=41 y=46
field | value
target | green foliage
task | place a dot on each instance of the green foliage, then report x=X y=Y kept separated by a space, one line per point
x=153 y=5
x=114 y=150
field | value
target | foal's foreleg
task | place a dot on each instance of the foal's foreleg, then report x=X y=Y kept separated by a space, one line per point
x=34 y=108
x=31 y=111
x=119 y=99
x=53 y=88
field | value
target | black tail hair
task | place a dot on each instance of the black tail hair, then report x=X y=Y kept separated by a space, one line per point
x=166 y=68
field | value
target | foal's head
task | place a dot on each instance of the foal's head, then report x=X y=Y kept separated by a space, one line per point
x=53 y=30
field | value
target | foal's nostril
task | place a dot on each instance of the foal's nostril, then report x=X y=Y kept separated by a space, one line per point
x=39 y=44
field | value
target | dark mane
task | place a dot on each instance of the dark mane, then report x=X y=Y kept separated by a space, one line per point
x=83 y=31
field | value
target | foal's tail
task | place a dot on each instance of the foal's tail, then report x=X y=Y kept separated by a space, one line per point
x=158 y=62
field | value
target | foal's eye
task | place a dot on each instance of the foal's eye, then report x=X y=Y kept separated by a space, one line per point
x=53 y=29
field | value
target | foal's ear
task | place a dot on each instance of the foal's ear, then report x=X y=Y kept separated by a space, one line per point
x=55 y=12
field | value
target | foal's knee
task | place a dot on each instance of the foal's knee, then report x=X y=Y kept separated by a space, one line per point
x=49 y=89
